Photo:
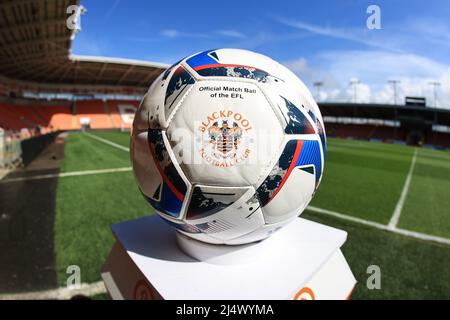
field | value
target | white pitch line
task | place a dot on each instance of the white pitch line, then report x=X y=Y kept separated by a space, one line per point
x=64 y=293
x=401 y=201
x=118 y=146
x=407 y=233
x=349 y=218
x=67 y=174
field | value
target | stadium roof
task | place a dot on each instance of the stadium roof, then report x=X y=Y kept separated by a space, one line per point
x=35 y=45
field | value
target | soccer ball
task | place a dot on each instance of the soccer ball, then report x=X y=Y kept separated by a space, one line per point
x=228 y=146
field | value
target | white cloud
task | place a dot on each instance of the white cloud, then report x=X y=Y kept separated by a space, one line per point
x=231 y=33
x=374 y=69
x=310 y=74
x=173 y=33
x=362 y=35
x=170 y=33
x=379 y=66
x=389 y=56
x=430 y=30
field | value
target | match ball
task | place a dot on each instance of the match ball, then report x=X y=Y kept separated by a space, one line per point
x=228 y=146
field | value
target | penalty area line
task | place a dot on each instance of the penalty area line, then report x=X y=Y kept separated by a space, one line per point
x=108 y=142
x=67 y=174
x=379 y=226
x=401 y=201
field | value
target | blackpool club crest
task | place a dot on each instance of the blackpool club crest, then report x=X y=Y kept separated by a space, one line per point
x=225 y=138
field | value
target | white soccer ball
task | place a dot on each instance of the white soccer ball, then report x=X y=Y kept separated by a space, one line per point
x=228 y=146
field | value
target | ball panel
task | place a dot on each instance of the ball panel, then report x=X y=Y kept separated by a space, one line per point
x=202 y=58
x=274 y=180
x=232 y=63
x=230 y=140
x=208 y=200
x=186 y=228
x=286 y=84
x=168 y=203
x=237 y=219
x=296 y=153
x=320 y=131
x=150 y=105
x=233 y=57
x=311 y=155
x=145 y=171
x=180 y=81
x=151 y=111
x=295 y=119
x=163 y=97
x=233 y=70
x=293 y=196
x=174 y=188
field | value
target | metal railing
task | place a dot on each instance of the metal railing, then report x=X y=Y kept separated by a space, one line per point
x=10 y=149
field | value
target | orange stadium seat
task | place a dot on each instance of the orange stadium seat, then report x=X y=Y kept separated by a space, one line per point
x=100 y=115
x=122 y=112
x=17 y=117
x=96 y=112
x=58 y=117
x=9 y=119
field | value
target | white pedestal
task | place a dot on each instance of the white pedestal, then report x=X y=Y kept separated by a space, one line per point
x=301 y=261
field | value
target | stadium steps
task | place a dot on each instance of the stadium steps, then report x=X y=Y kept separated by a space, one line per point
x=42 y=120
x=27 y=122
x=115 y=114
x=74 y=118
x=9 y=119
x=105 y=105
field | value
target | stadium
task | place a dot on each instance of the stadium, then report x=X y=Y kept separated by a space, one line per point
x=66 y=176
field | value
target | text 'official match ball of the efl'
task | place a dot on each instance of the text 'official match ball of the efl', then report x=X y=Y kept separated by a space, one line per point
x=228 y=146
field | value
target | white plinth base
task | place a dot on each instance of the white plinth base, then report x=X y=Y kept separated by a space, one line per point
x=222 y=254
x=301 y=261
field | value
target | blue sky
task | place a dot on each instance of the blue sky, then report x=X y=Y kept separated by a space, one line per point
x=319 y=40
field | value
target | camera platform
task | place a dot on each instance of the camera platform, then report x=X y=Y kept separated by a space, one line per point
x=302 y=261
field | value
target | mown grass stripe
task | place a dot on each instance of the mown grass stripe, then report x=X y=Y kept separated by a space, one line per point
x=407 y=233
x=401 y=201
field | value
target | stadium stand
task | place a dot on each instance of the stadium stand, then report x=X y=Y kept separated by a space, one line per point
x=55 y=117
x=100 y=114
x=122 y=112
x=94 y=113
x=410 y=124
x=30 y=120
x=362 y=131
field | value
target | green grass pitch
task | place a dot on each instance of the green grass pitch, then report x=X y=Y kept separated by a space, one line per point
x=362 y=179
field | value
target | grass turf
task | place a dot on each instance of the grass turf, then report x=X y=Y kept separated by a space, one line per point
x=361 y=178
x=84 y=153
x=86 y=206
x=122 y=138
x=427 y=206
x=410 y=268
